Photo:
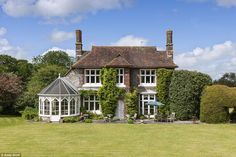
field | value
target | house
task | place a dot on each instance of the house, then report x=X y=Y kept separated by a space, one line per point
x=136 y=67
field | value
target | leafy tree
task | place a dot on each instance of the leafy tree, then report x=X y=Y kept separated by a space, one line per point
x=163 y=82
x=228 y=79
x=24 y=70
x=185 y=91
x=215 y=102
x=7 y=64
x=40 y=79
x=59 y=58
x=109 y=93
x=131 y=101
x=10 y=88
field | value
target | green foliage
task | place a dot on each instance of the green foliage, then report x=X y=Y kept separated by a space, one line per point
x=185 y=91
x=215 y=102
x=29 y=113
x=131 y=101
x=109 y=93
x=228 y=79
x=163 y=82
x=88 y=120
x=95 y=116
x=40 y=79
x=59 y=58
x=70 y=119
x=130 y=121
x=87 y=93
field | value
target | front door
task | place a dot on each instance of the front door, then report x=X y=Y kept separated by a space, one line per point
x=55 y=111
x=120 y=109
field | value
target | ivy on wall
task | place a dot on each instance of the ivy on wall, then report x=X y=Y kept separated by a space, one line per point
x=131 y=101
x=109 y=93
x=87 y=93
x=163 y=82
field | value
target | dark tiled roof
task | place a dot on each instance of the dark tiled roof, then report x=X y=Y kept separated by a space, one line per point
x=61 y=86
x=134 y=56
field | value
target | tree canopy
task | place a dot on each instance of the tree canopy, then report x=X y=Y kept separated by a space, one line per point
x=228 y=79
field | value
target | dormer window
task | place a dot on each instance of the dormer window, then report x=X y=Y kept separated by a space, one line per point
x=120 y=76
x=148 y=77
x=92 y=76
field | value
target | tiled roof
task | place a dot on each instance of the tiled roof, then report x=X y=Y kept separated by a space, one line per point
x=134 y=56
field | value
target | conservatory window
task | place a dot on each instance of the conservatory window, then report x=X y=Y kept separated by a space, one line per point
x=120 y=76
x=144 y=108
x=72 y=106
x=40 y=106
x=46 y=107
x=64 y=107
x=147 y=76
x=55 y=107
x=91 y=103
x=92 y=76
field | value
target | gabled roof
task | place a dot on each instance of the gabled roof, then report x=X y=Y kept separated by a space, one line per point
x=135 y=56
x=61 y=86
x=119 y=61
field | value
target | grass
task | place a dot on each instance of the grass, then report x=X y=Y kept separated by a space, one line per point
x=116 y=140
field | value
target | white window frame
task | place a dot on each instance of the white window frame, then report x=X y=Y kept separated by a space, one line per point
x=46 y=107
x=65 y=107
x=145 y=77
x=93 y=101
x=119 y=75
x=72 y=107
x=142 y=102
x=95 y=75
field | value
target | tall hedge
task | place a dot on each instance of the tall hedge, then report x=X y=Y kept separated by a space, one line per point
x=185 y=91
x=163 y=82
x=109 y=93
x=215 y=102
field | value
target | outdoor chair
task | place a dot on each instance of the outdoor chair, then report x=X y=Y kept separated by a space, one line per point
x=171 y=117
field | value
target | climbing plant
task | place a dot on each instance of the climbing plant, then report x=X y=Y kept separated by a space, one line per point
x=131 y=101
x=109 y=93
x=87 y=93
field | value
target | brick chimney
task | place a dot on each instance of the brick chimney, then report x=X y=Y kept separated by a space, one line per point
x=78 y=44
x=169 y=43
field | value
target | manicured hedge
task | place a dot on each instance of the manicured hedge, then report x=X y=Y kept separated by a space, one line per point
x=185 y=91
x=215 y=102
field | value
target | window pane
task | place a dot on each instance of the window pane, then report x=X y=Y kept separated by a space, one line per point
x=87 y=72
x=97 y=79
x=153 y=72
x=92 y=79
x=142 y=72
x=121 y=71
x=148 y=79
x=87 y=79
x=86 y=105
x=121 y=79
x=97 y=106
x=151 y=110
x=91 y=106
x=142 y=79
x=151 y=97
x=152 y=79
x=145 y=109
x=147 y=72
x=92 y=72
x=98 y=72
x=145 y=97
x=91 y=97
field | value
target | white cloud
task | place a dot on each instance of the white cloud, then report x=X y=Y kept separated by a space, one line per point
x=59 y=8
x=215 y=60
x=8 y=49
x=131 y=40
x=226 y=3
x=60 y=36
x=3 y=31
x=70 y=52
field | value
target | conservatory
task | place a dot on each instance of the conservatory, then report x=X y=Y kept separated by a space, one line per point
x=59 y=99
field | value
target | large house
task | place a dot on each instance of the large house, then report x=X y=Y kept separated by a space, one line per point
x=136 y=67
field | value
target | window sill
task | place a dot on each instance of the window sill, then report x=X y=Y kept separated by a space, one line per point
x=121 y=85
x=147 y=85
x=92 y=85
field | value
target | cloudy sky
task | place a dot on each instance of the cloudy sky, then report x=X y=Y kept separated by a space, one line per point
x=204 y=30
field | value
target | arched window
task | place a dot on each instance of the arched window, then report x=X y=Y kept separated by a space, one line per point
x=40 y=106
x=72 y=106
x=46 y=107
x=55 y=107
x=64 y=107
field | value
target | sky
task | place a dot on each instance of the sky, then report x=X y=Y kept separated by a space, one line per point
x=204 y=31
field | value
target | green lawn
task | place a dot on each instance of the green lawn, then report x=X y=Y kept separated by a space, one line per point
x=116 y=140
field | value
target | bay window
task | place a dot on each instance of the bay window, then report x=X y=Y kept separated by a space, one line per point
x=144 y=108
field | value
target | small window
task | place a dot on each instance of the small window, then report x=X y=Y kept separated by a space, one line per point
x=120 y=76
x=147 y=76
x=92 y=76
x=64 y=107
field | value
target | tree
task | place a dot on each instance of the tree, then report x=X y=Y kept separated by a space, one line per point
x=59 y=58
x=185 y=91
x=228 y=79
x=40 y=79
x=163 y=82
x=24 y=70
x=10 y=88
x=7 y=64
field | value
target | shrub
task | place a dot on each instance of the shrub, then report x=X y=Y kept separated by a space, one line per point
x=131 y=101
x=95 y=116
x=70 y=119
x=215 y=102
x=163 y=82
x=185 y=91
x=130 y=121
x=88 y=120
x=29 y=113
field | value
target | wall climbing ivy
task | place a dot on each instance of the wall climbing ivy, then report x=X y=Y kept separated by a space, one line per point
x=109 y=93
